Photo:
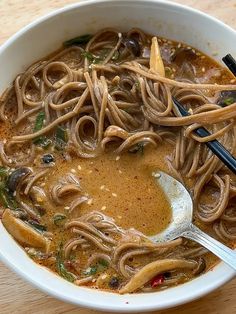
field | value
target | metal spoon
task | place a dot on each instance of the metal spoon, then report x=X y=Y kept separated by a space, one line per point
x=181 y=224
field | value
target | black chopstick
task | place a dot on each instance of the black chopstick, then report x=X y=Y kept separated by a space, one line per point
x=215 y=146
x=230 y=62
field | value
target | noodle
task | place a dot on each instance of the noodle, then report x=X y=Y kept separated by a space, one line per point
x=105 y=98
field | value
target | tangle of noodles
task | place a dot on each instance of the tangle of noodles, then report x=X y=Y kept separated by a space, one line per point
x=90 y=122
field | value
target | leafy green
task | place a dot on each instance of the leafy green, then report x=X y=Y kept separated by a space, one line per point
x=42 y=141
x=88 y=55
x=6 y=197
x=58 y=219
x=91 y=271
x=103 y=263
x=115 y=56
x=60 y=138
x=3 y=172
x=84 y=39
x=228 y=101
x=168 y=72
x=62 y=271
x=92 y=58
x=39 y=121
x=137 y=84
x=139 y=148
x=99 y=267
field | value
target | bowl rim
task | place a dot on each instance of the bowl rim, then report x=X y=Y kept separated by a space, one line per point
x=209 y=285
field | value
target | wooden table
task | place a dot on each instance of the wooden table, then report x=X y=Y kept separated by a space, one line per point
x=17 y=296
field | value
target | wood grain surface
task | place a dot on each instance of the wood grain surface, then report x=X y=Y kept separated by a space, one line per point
x=18 y=296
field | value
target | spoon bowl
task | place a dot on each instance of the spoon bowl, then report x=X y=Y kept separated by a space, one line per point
x=181 y=205
x=181 y=222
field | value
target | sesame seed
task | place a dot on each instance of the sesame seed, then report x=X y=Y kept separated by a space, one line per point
x=156 y=175
x=203 y=69
x=106 y=189
x=172 y=76
x=91 y=162
x=94 y=280
x=104 y=276
x=203 y=57
x=42 y=184
x=73 y=170
x=179 y=45
x=103 y=208
x=14 y=193
x=74 y=247
x=102 y=187
x=114 y=194
x=90 y=201
x=119 y=217
x=190 y=111
x=10 y=160
x=4 y=141
x=117 y=158
x=90 y=171
x=198 y=54
x=79 y=167
x=120 y=171
x=232 y=81
x=67 y=207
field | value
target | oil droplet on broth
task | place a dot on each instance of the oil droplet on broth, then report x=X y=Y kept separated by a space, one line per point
x=125 y=189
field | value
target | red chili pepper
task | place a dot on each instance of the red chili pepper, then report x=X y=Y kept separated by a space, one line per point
x=158 y=280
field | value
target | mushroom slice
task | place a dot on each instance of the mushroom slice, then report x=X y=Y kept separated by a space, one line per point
x=153 y=269
x=156 y=62
x=23 y=232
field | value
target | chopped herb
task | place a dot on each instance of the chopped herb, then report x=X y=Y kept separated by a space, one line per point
x=62 y=271
x=115 y=56
x=39 y=121
x=60 y=138
x=58 y=219
x=137 y=84
x=139 y=148
x=90 y=271
x=227 y=98
x=84 y=39
x=42 y=141
x=88 y=55
x=37 y=226
x=103 y=263
x=6 y=197
x=228 y=101
x=3 y=172
x=72 y=256
x=168 y=72
x=91 y=57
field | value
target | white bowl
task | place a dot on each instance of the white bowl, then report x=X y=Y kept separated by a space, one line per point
x=46 y=35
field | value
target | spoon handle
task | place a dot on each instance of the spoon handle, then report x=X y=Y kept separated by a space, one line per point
x=222 y=251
